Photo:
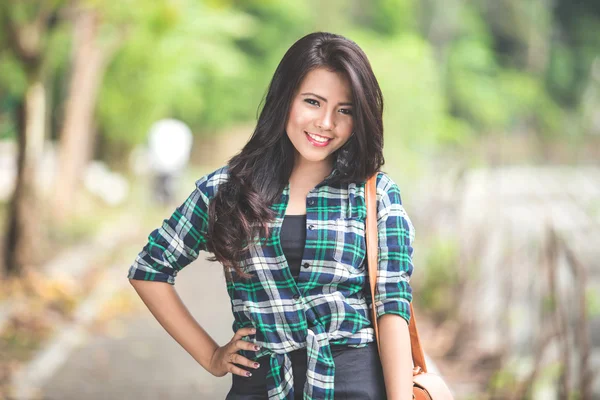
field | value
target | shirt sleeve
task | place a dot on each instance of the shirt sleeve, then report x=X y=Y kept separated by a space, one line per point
x=177 y=242
x=396 y=235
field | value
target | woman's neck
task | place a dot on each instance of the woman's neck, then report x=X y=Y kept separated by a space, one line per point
x=304 y=177
x=308 y=174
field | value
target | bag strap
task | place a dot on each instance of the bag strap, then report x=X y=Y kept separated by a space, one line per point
x=372 y=255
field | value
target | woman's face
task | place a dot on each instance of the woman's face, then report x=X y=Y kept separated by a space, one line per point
x=320 y=119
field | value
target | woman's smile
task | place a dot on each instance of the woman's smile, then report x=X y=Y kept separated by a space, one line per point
x=317 y=140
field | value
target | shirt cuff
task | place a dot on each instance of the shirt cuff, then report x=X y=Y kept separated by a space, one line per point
x=139 y=272
x=399 y=307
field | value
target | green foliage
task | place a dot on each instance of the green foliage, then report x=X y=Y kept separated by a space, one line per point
x=7 y=126
x=561 y=73
x=472 y=84
x=503 y=381
x=236 y=97
x=388 y=17
x=46 y=48
x=526 y=99
x=493 y=97
x=13 y=80
x=12 y=87
x=167 y=58
x=440 y=280
x=494 y=67
x=414 y=108
x=41 y=44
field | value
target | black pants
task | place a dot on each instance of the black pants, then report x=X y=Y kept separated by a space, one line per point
x=358 y=375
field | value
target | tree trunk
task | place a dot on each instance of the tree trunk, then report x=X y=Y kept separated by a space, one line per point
x=76 y=139
x=24 y=232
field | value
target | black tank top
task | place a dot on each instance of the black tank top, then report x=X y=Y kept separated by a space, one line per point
x=293 y=238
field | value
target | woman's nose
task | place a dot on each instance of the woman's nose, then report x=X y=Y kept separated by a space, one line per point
x=325 y=122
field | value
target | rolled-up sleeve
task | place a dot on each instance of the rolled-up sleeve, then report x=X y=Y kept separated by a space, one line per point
x=396 y=235
x=176 y=243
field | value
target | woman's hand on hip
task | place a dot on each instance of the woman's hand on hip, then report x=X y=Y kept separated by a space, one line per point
x=224 y=358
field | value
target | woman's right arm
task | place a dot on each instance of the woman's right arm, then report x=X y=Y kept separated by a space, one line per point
x=165 y=304
x=169 y=249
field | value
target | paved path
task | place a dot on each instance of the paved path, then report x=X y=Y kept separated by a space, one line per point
x=145 y=362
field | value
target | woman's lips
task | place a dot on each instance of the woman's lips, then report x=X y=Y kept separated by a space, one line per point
x=316 y=143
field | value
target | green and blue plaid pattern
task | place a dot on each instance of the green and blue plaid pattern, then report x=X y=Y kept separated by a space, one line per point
x=330 y=302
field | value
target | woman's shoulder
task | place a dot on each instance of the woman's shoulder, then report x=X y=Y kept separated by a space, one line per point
x=209 y=183
x=385 y=184
x=389 y=201
x=388 y=191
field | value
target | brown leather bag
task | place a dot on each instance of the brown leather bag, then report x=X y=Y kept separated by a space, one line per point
x=426 y=385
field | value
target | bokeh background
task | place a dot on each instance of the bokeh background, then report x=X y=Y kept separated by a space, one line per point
x=492 y=131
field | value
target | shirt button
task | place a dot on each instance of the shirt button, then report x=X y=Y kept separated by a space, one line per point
x=296 y=297
x=306 y=265
x=311 y=227
x=311 y=202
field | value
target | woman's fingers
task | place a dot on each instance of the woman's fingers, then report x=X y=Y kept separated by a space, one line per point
x=234 y=358
x=234 y=369
x=243 y=332
x=241 y=360
x=244 y=345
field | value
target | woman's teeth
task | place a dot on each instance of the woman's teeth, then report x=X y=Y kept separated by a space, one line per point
x=318 y=138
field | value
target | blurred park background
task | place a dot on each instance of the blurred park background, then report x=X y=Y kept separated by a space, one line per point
x=492 y=131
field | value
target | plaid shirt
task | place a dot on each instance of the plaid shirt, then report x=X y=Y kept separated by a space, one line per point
x=330 y=302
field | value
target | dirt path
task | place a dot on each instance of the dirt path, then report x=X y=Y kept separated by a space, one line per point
x=138 y=359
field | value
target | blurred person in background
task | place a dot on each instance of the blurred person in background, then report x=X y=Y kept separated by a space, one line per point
x=169 y=145
x=299 y=288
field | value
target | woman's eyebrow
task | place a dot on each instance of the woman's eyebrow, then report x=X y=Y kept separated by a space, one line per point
x=324 y=99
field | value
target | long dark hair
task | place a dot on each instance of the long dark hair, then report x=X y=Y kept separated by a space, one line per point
x=260 y=171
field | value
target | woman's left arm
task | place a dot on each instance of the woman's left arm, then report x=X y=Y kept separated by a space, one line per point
x=393 y=293
x=396 y=357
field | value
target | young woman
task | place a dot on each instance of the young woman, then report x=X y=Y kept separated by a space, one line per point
x=286 y=218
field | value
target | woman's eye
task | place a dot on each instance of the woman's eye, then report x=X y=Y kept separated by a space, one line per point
x=346 y=111
x=312 y=102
